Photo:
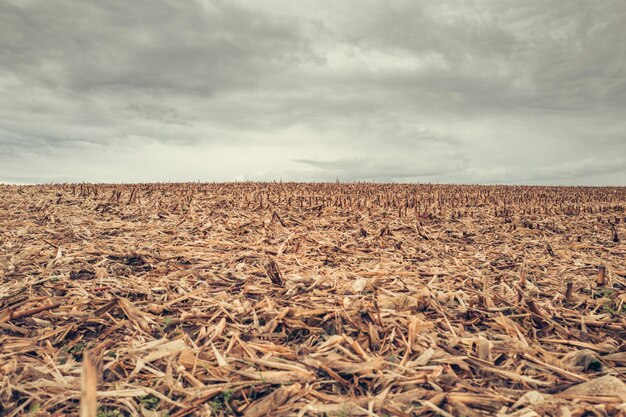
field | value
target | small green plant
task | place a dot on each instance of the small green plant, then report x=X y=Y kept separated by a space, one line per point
x=216 y=405
x=34 y=408
x=150 y=402
x=604 y=293
x=77 y=350
x=610 y=303
x=221 y=399
x=608 y=308
x=228 y=394
x=613 y=306
x=166 y=324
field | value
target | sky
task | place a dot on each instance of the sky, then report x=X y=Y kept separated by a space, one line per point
x=468 y=91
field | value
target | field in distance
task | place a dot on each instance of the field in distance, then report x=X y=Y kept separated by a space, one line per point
x=289 y=299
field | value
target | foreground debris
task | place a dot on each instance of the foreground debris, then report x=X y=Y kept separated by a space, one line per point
x=312 y=299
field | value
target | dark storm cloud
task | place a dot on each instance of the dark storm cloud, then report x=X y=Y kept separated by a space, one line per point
x=146 y=45
x=397 y=90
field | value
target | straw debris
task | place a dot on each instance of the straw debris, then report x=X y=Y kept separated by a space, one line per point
x=291 y=299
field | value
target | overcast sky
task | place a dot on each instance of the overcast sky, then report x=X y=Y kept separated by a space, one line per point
x=501 y=91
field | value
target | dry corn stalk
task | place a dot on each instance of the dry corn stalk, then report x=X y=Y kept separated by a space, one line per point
x=301 y=299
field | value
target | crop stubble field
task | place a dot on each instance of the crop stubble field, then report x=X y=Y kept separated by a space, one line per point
x=312 y=299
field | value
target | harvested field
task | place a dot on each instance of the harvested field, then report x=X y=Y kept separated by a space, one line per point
x=289 y=299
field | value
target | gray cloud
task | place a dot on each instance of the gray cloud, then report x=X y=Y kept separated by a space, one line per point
x=402 y=90
x=584 y=171
x=373 y=169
